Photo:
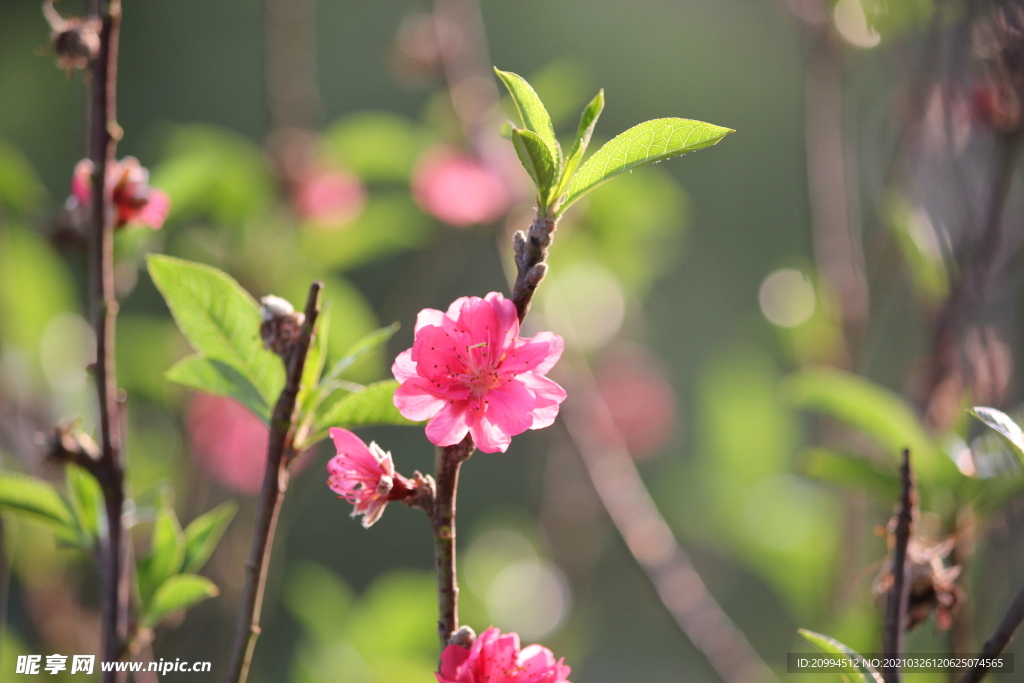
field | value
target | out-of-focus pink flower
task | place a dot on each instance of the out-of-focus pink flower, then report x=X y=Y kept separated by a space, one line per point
x=331 y=198
x=632 y=385
x=128 y=184
x=459 y=189
x=364 y=476
x=497 y=658
x=228 y=442
x=469 y=371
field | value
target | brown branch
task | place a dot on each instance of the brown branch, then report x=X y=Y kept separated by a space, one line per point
x=448 y=462
x=280 y=453
x=109 y=470
x=896 y=607
x=999 y=639
x=653 y=545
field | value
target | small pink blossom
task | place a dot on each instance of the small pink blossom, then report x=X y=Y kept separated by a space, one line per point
x=128 y=184
x=331 y=198
x=497 y=658
x=364 y=476
x=459 y=189
x=469 y=371
x=228 y=442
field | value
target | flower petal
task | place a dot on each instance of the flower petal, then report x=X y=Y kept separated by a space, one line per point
x=404 y=367
x=428 y=316
x=415 y=400
x=449 y=426
x=548 y=395
x=349 y=444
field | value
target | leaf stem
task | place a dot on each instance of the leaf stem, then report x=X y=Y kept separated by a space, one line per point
x=896 y=607
x=280 y=454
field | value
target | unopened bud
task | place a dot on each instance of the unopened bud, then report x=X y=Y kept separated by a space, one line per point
x=464 y=637
x=76 y=42
x=281 y=325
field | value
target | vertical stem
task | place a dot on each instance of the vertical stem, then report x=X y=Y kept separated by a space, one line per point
x=999 y=639
x=896 y=608
x=103 y=135
x=280 y=452
x=448 y=461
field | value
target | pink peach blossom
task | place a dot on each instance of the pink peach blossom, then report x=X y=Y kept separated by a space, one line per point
x=229 y=443
x=459 y=189
x=469 y=371
x=364 y=476
x=330 y=198
x=497 y=658
x=128 y=184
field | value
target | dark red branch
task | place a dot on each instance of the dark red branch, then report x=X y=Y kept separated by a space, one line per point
x=280 y=453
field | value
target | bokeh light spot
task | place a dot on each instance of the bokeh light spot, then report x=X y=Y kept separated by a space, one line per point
x=787 y=297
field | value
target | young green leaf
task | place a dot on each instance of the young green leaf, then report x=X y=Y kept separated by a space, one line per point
x=220 y=319
x=871 y=408
x=532 y=111
x=374 y=405
x=332 y=379
x=579 y=146
x=203 y=534
x=642 y=144
x=167 y=552
x=856 y=669
x=38 y=501
x=315 y=359
x=1004 y=426
x=217 y=377
x=849 y=472
x=177 y=593
x=86 y=500
x=537 y=160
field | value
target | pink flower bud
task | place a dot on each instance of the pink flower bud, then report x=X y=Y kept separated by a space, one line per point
x=469 y=371
x=497 y=658
x=228 y=442
x=129 y=191
x=365 y=476
x=329 y=198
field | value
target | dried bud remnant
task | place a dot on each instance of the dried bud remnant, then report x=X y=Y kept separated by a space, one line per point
x=281 y=325
x=75 y=40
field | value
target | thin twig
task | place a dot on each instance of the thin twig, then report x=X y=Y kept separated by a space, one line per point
x=448 y=462
x=653 y=545
x=103 y=136
x=899 y=590
x=999 y=639
x=280 y=453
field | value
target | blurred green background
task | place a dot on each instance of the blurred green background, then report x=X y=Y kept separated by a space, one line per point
x=660 y=281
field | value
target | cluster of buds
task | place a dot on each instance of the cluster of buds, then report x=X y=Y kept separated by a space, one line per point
x=127 y=186
x=76 y=40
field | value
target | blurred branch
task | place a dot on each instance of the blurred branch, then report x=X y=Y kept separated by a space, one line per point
x=109 y=470
x=293 y=94
x=652 y=543
x=999 y=639
x=837 y=240
x=280 y=454
x=899 y=590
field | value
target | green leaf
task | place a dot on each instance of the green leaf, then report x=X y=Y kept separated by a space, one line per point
x=373 y=405
x=537 y=160
x=220 y=319
x=38 y=501
x=216 y=377
x=868 y=407
x=315 y=359
x=203 y=534
x=642 y=144
x=176 y=594
x=86 y=500
x=856 y=670
x=167 y=552
x=1004 y=426
x=531 y=110
x=583 y=134
x=849 y=472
